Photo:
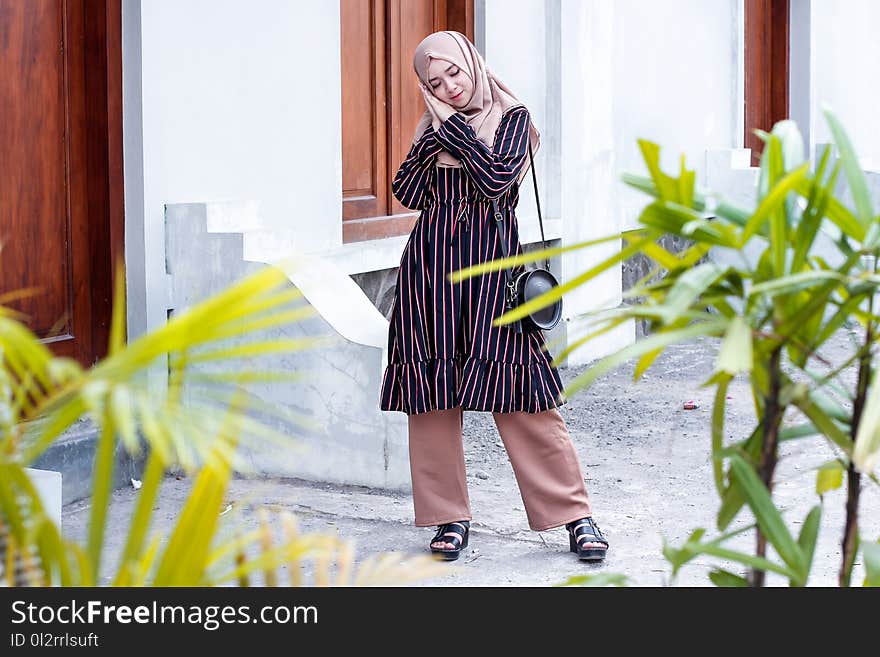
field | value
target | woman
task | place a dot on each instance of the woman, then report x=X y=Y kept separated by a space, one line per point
x=444 y=355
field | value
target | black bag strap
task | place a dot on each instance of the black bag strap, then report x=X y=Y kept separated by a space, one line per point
x=510 y=295
x=499 y=219
x=538 y=204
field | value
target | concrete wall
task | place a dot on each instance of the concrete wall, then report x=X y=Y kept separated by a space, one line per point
x=230 y=97
x=602 y=75
x=516 y=50
x=845 y=52
x=675 y=85
x=345 y=438
x=72 y=457
x=557 y=57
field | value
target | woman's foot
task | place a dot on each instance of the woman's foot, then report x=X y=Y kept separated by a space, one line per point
x=451 y=539
x=586 y=539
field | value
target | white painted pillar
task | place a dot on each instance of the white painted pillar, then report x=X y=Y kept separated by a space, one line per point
x=588 y=180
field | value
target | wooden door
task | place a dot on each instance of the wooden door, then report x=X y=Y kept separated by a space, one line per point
x=381 y=104
x=60 y=148
x=766 y=69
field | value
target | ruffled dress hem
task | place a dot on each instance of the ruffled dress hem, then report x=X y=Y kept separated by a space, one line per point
x=472 y=383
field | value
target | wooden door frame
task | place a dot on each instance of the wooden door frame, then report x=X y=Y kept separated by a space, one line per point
x=104 y=160
x=459 y=16
x=766 y=54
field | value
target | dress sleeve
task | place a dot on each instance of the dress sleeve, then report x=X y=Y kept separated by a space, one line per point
x=414 y=173
x=494 y=169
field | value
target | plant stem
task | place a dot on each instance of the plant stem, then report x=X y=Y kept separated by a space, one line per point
x=851 y=530
x=853 y=478
x=772 y=420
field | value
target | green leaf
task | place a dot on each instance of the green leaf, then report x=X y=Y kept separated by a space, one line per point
x=646 y=345
x=185 y=556
x=117 y=321
x=849 y=563
x=855 y=175
x=556 y=292
x=735 y=354
x=746 y=559
x=645 y=362
x=871 y=555
x=839 y=318
x=837 y=213
x=821 y=419
x=599 y=579
x=718 y=431
x=679 y=220
x=800 y=431
x=772 y=202
x=120 y=408
x=688 y=287
x=818 y=300
x=533 y=256
x=679 y=190
x=792 y=143
x=867 y=446
x=102 y=489
x=795 y=282
x=679 y=557
x=641 y=183
x=723 y=208
x=140 y=521
x=829 y=476
x=731 y=503
x=41 y=433
x=661 y=256
x=809 y=534
x=772 y=166
x=735 y=214
x=610 y=325
x=260 y=348
x=811 y=219
x=769 y=519
x=686 y=180
x=725 y=578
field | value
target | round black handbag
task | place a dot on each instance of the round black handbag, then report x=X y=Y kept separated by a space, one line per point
x=530 y=283
x=533 y=283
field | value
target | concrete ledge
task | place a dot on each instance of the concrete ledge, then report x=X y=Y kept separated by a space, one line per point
x=48 y=485
x=371 y=255
x=351 y=440
x=73 y=457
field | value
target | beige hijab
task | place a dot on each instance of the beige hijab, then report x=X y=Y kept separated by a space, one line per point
x=490 y=100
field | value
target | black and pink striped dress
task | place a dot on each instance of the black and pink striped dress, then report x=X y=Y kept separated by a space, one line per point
x=443 y=351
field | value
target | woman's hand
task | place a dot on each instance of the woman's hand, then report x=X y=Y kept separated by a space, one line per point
x=436 y=107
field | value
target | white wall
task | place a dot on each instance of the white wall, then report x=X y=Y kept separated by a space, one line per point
x=240 y=102
x=677 y=82
x=846 y=75
x=240 y=108
x=557 y=55
x=588 y=180
x=515 y=51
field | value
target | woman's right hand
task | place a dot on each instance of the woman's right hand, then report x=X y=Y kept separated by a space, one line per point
x=438 y=110
x=429 y=106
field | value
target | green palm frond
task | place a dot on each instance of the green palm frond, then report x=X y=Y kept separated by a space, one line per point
x=200 y=422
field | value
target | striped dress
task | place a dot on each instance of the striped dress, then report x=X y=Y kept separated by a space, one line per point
x=443 y=351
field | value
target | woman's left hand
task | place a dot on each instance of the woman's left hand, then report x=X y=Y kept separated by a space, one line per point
x=436 y=106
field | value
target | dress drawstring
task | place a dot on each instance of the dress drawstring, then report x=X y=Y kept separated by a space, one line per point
x=463 y=218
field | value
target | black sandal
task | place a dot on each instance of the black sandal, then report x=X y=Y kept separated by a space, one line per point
x=583 y=531
x=455 y=533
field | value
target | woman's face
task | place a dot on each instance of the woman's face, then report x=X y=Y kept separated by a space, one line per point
x=449 y=83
